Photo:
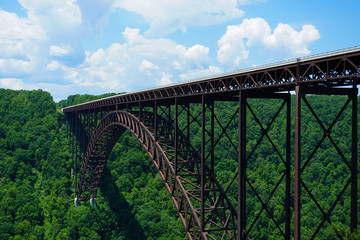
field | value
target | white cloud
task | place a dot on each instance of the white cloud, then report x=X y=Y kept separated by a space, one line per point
x=17 y=33
x=56 y=14
x=58 y=51
x=147 y=67
x=53 y=66
x=197 y=52
x=50 y=29
x=62 y=22
x=58 y=91
x=234 y=45
x=165 y=79
x=139 y=63
x=19 y=43
x=13 y=66
x=132 y=35
x=167 y=16
x=199 y=73
x=232 y=50
x=286 y=38
x=11 y=83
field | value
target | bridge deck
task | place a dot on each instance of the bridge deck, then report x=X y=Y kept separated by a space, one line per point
x=339 y=68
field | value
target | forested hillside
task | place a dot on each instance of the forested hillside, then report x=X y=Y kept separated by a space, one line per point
x=36 y=186
x=36 y=191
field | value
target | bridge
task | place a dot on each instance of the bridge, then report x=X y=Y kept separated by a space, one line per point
x=162 y=120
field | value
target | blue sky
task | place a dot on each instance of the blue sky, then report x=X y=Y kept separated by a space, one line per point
x=89 y=46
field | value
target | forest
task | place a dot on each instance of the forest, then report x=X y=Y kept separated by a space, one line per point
x=37 y=188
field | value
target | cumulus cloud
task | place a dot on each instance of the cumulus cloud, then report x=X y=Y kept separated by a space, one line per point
x=50 y=29
x=53 y=66
x=11 y=83
x=284 y=41
x=139 y=63
x=147 y=67
x=58 y=51
x=294 y=42
x=55 y=16
x=167 y=16
x=64 y=27
x=165 y=79
x=19 y=38
x=193 y=74
x=11 y=66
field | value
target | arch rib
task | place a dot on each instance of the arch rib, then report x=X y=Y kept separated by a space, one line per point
x=183 y=188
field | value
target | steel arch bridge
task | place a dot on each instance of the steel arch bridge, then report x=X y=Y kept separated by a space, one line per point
x=162 y=120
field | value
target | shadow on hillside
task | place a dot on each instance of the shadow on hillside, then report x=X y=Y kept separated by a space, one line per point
x=128 y=224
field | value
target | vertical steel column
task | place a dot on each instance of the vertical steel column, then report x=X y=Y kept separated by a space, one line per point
x=354 y=164
x=188 y=123
x=241 y=227
x=297 y=153
x=82 y=138
x=170 y=120
x=288 y=168
x=155 y=121
x=212 y=160
x=95 y=121
x=140 y=111
x=203 y=142
x=297 y=203
x=77 y=146
x=176 y=136
x=71 y=124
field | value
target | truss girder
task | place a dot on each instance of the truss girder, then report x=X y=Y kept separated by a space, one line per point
x=331 y=70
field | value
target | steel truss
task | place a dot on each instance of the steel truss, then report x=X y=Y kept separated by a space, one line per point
x=338 y=69
x=300 y=165
x=165 y=120
x=245 y=156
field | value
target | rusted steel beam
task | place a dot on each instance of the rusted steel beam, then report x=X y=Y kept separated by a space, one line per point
x=241 y=226
x=202 y=167
x=354 y=163
x=288 y=170
x=297 y=187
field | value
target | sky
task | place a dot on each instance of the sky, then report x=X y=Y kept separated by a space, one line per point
x=71 y=47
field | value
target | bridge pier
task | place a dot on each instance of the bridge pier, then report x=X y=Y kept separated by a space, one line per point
x=244 y=157
x=300 y=165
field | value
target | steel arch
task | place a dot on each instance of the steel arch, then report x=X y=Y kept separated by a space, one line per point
x=111 y=127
